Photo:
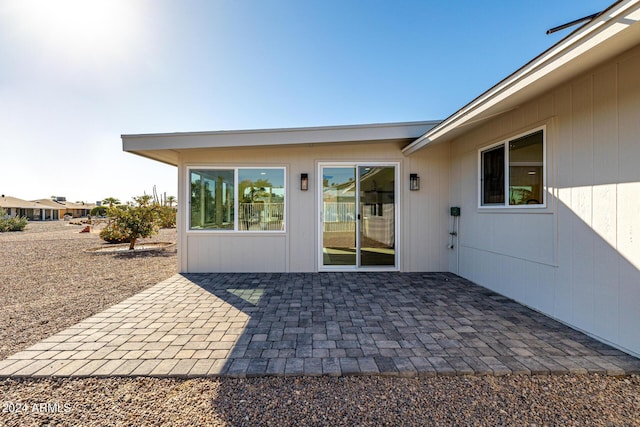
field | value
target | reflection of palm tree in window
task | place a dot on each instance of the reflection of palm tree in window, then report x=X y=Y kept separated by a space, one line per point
x=254 y=195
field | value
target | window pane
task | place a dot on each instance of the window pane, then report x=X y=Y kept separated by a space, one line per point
x=261 y=199
x=493 y=176
x=212 y=198
x=526 y=170
x=339 y=216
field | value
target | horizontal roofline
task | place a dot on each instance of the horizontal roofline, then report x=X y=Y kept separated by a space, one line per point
x=165 y=147
x=284 y=130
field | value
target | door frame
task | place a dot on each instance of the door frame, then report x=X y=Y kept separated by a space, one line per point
x=319 y=229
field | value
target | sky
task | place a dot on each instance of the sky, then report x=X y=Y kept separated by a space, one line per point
x=77 y=74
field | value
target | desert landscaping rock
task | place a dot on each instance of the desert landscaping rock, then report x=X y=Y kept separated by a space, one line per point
x=49 y=282
x=520 y=400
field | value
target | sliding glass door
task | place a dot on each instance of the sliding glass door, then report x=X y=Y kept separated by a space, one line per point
x=358 y=216
x=377 y=213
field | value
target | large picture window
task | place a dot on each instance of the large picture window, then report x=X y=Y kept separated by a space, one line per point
x=237 y=199
x=512 y=172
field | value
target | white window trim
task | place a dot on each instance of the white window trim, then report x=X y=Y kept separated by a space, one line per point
x=505 y=143
x=235 y=231
x=397 y=212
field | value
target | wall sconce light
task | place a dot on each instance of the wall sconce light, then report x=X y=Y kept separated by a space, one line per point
x=304 y=181
x=414 y=182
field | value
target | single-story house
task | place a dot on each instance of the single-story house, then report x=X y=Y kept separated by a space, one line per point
x=55 y=207
x=32 y=210
x=75 y=209
x=531 y=190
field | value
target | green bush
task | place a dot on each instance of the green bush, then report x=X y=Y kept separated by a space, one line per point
x=112 y=233
x=144 y=218
x=99 y=211
x=11 y=223
x=129 y=223
x=166 y=216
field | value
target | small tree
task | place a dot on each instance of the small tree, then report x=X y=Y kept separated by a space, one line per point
x=167 y=216
x=98 y=211
x=130 y=223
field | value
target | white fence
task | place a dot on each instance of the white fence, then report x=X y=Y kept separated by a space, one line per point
x=339 y=216
x=261 y=216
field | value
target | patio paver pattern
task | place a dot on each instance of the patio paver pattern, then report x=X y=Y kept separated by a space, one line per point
x=239 y=325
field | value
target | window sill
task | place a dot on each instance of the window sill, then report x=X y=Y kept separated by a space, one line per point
x=237 y=233
x=522 y=209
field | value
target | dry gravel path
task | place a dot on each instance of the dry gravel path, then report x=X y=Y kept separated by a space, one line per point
x=48 y=283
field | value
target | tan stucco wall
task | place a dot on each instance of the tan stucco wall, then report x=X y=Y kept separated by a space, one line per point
x=578 y=260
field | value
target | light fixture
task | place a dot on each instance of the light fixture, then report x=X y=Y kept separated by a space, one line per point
x=304 y=181
x=414 y=182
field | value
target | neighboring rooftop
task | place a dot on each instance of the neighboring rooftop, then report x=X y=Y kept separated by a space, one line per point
x=47 y=203
x=14 y=202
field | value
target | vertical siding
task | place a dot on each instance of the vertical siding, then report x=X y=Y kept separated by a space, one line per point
x=628 y=206
x=579 y=260
x=426 y=212
x=563 y=148
x=423 y=214
x=606 y=278
x=581 y=203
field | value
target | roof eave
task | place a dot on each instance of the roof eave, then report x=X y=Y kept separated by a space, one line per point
x=540 y=74
x=166 y=147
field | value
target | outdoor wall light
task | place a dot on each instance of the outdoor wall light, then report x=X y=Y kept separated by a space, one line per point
x=414 y=182
x=304 y=181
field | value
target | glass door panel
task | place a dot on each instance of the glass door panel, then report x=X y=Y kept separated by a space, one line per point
x=339 y=246
x=377 y=215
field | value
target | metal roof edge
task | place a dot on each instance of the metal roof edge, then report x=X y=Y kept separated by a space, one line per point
x=285 y=130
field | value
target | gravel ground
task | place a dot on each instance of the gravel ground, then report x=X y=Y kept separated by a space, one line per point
x=320 y=401
x=49 y=283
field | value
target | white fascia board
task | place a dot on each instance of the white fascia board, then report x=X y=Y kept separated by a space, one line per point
x=555 y=60
x=169 y=157
x=274 y=137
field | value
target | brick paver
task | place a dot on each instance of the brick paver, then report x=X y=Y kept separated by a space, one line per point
x=243 y=325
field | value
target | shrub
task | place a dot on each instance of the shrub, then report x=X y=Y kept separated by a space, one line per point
x=11 y=223
x=113 y=234
x=167 y=216
x=99 y=211
x=129 y=223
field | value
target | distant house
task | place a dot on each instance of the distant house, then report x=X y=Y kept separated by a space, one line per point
x=53 y=205
x=76 y=210
x=34 y=211
x=531 y=190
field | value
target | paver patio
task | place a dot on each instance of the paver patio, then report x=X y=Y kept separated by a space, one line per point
x=401 y=324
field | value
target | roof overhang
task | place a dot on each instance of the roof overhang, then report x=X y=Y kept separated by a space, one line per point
x=166 y=147
x=14 y=202
x=48 y=204
x=611 y=33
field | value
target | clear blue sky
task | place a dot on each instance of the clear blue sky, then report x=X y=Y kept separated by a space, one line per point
x=75 y=74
